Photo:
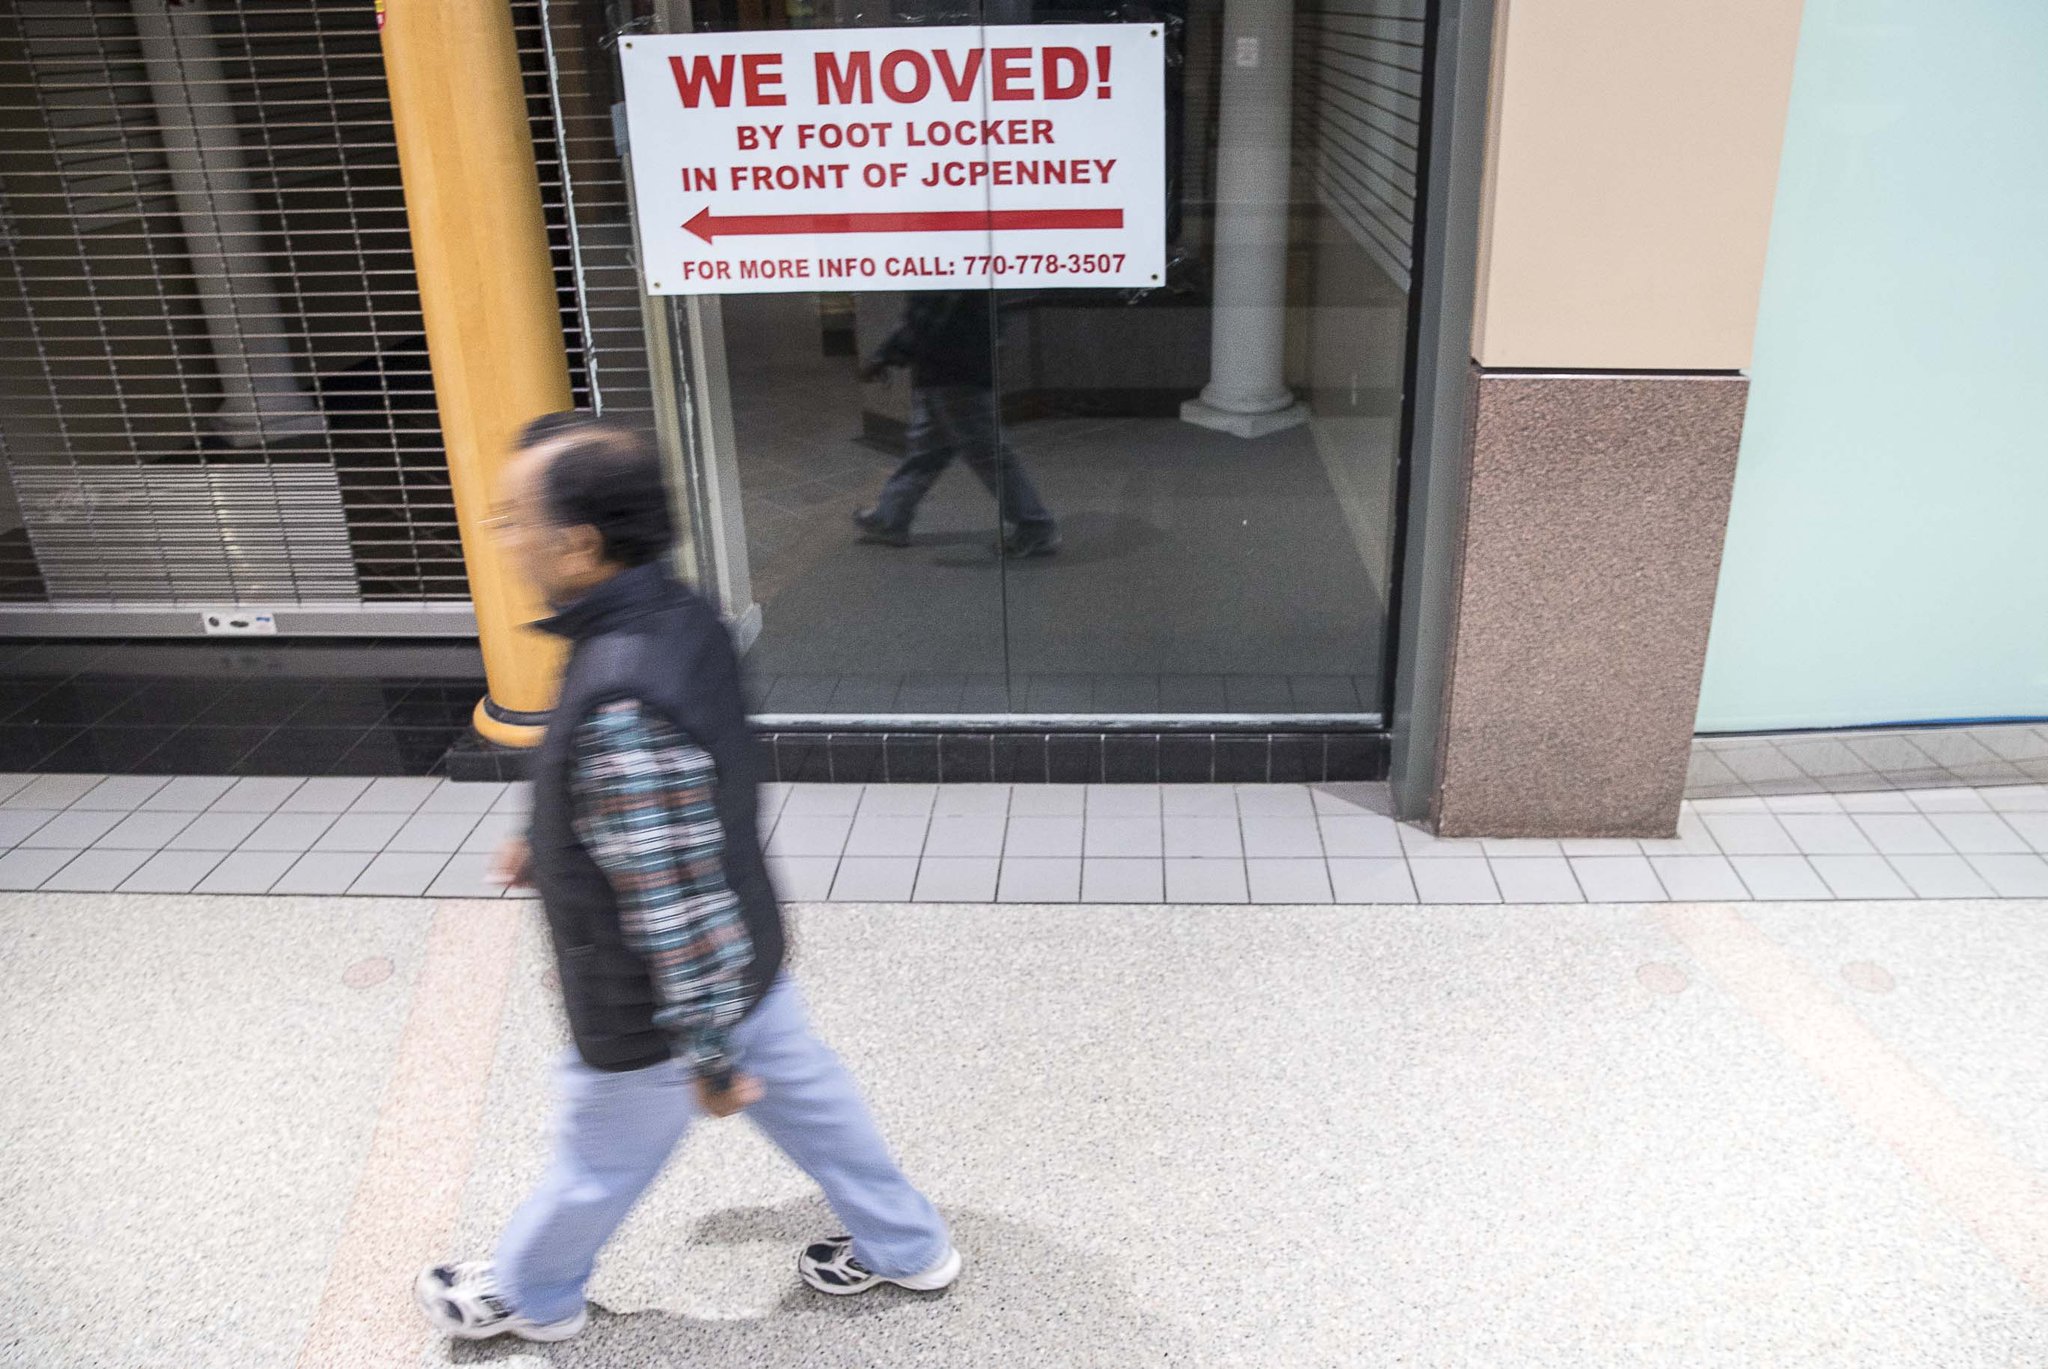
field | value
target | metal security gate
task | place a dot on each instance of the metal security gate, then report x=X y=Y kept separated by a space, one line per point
x=215 y=391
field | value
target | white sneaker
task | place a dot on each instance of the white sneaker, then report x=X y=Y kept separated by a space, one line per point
x=463 y=1301
x=829 y=1267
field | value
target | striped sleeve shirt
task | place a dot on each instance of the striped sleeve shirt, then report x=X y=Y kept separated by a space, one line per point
x=643 y=803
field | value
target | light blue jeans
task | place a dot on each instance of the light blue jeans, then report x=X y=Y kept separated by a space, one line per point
x=615 y=1131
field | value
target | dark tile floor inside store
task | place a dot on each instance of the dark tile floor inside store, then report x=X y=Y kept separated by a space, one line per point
x=325 y=707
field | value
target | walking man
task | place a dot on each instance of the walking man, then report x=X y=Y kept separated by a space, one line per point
x=947 y=341
x=666 y=930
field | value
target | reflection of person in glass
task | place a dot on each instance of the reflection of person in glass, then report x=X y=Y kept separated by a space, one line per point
x=947 y=341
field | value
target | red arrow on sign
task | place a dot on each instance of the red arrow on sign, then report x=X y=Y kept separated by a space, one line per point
x=709 y=226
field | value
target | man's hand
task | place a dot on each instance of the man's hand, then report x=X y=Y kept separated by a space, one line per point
x=742 y=1091
x=512 y=867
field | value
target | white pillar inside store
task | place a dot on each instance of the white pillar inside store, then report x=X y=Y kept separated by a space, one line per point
x=1247 y=393
x=263 y=400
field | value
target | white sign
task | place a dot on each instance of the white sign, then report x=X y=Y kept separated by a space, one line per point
x=899 y=159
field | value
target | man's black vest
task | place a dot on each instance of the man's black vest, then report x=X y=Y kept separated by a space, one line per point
x=641 y=635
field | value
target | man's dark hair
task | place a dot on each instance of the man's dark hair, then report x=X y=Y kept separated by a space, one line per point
x=605 y=475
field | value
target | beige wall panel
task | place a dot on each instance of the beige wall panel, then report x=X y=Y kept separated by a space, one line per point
x=1631 y=167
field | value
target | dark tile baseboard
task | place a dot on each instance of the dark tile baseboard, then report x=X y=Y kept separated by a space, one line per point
x=1020 y=757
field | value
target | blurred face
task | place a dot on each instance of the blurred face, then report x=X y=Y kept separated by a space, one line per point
x=562 y=562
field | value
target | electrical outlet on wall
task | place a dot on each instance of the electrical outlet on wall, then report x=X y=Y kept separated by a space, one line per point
x=239 y=622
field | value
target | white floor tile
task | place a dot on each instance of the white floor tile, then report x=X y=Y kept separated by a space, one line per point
x=875 y=879
x=1124 y=801
x=492 y=831
x=246 y=872
x=1861 y=877
x=1979 y=834
x=1371 y=880
x=1039 y=880
x=1877 y=801
x=360 y=832
x=1043 y=837
x=803 y=879
x=97 y=871
x=1198 y=801
x=1419 y=844
x=1129 y=837
x=1206 y=881
x=122 y=793
x=1803 y=803
x=1699 y=879
x=399 y=874
x=966 y=835
x=972 y=800
x=2018 y=798
x=322 y=872
x=145 y=831
x=2013 y=876
x=73 y=830
x=28 y=867
x=1780 y=877
x=214 y=831
x=1902 y=834
x=1344 y=798
x=1196 y=838
x=1520 y=848
x=1273 y=838
x=172 y=872
x=1119 y=880
x=1536 y=879
x=258 y=794
x=329 y=794
x=1275 y=801
x=1750 y=834
x=2032 y=827
x=435 y=833
x=1691 y=839
x=465 y=876
x=1826 y=834
x=957 y=879
x=53 y=791
x=1048 y=801
x=805 y=834
x=1600 y=846
x=1359 y=836
x=1454 y=879
x=1618 y=879
x=189 y=793
x=875 y=834
x=1288 y=881
x=394 y=795
x=1941 y=877
x=899 y=800
x=1948 y=800
x=823 y=801
x=18 y=824
x=288 y=832
x=475 y=798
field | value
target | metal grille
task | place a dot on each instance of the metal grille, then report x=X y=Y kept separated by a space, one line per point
x=207 y=269
x=209 y=534
x=1358 y=118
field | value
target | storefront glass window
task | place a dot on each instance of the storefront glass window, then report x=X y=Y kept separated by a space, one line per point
x=1168 y=500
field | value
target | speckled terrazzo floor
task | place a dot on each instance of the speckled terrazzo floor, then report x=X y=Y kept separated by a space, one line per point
x=1671 y=1134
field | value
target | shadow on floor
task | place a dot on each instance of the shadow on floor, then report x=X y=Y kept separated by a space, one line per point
x=1024 y=1299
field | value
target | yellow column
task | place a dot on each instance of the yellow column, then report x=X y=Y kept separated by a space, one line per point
x=487 y=293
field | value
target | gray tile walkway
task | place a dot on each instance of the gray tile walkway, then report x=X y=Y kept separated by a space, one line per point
x=1112 y=844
